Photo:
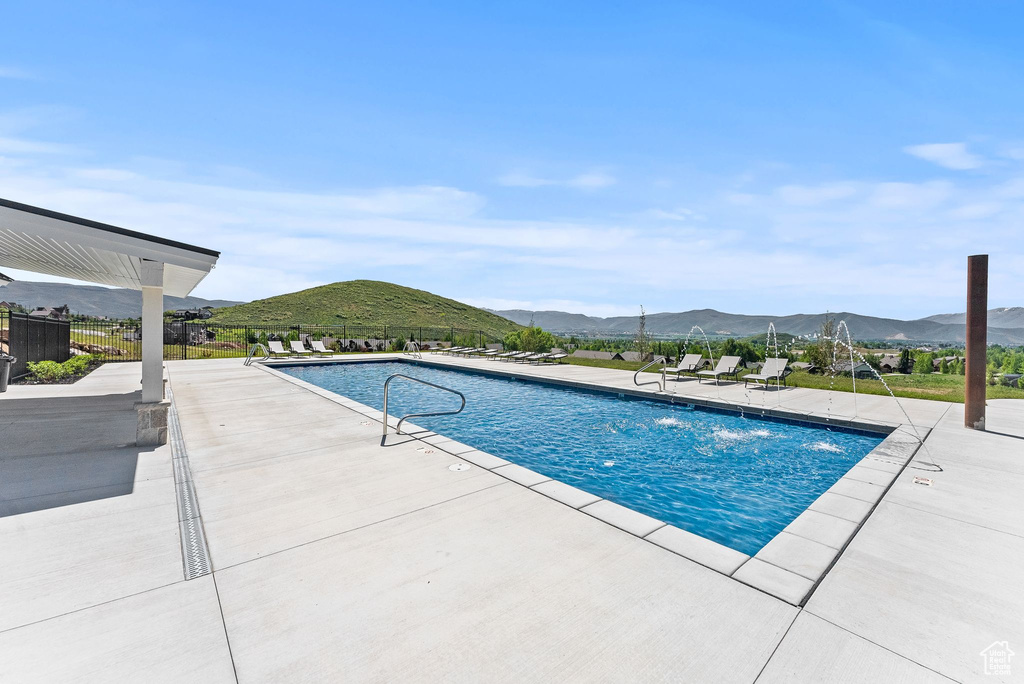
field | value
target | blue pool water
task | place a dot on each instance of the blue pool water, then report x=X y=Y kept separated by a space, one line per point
x=738 y=481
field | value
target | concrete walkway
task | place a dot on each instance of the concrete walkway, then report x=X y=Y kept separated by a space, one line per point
x=336 y=559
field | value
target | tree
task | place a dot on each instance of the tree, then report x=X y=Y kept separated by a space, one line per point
x=944 y=366
x=820 y=352
x=923 y=364
x=532 y=339
x=642 y=339
x=906 y=362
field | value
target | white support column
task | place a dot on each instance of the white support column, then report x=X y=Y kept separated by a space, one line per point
x=152 y=330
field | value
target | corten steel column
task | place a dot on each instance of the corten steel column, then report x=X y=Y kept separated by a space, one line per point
x=977 y=338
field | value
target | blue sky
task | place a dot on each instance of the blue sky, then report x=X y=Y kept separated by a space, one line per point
x=766 y=158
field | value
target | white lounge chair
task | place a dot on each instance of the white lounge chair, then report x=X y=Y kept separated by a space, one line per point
x=276 y=349
x=319 y=349
x=556 y=357
x=690 y=363
x=727 y=365
x=773 y=369
x=299 y=348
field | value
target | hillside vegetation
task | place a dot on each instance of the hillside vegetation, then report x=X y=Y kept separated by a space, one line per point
x=365 y=302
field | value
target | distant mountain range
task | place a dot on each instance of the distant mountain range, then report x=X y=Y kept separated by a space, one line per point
x=90 y=300
x=1006 y=326
x=367 y=301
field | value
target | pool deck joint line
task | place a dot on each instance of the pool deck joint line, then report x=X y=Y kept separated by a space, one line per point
x=195 y=552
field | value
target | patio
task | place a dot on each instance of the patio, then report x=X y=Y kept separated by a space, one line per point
x=336 y=559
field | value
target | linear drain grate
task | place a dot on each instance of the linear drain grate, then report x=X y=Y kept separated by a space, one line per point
x=194 y=551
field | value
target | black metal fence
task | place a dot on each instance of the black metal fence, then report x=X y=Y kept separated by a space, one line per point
x=30 y=338
x=196 y=339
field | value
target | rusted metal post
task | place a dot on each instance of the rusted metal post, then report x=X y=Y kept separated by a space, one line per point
x=977 y=341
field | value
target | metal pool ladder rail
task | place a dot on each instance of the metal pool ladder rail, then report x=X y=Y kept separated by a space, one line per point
x=258 y=345
x=659 y=383
x=412 y=349
x=398 y=428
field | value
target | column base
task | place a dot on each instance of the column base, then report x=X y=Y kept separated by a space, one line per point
x=152 y=426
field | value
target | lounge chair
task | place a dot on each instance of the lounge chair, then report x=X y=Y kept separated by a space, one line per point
x=690 y=363
x=538 y=357
x=773 y=368
x=727 y=365
x=319 y=349
x=490 y=353
x=299 y=348
x=504 y=355
x=276 y=349
x=555 y=357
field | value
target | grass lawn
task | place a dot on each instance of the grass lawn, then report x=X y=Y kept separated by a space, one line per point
x=934 y=386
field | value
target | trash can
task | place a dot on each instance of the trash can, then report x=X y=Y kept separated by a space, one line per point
x=5 y=370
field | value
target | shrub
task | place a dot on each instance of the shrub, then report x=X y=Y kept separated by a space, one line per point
x=51 y=371
x=47 y=371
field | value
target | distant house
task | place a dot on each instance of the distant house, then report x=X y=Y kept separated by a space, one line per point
x=890 y=363
x=936 y=363
x=180 y=332
x=53 y=313
x=10 y=306
x=597 y=355
x=860 y=369
x=635 y=356
x=192 y=314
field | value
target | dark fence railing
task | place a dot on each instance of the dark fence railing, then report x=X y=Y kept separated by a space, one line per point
x=30 y=338
x=196 y=339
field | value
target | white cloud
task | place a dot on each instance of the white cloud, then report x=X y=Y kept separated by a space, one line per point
x=680 y=214
x=911 y=195
x=15 y=73
x=591 y=180
x=948 y=155
x=809 y=195
x=23 y=146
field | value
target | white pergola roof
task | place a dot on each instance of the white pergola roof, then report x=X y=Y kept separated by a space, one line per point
x=43 y=241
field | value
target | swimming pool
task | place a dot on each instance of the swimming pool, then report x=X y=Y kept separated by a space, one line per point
x=732 y=479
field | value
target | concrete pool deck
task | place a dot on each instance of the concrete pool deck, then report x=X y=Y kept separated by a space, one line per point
x=336 y=559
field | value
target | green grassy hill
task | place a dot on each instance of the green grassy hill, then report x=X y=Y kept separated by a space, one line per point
x=364 y=302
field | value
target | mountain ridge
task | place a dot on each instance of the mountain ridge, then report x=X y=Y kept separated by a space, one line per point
x=715 y=322
x=93 y=300
x=366 y=302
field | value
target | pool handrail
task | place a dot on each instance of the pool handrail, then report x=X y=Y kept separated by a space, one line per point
x=398 y=428
x=412 y=349
x=260 y=345
x=659 y=383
